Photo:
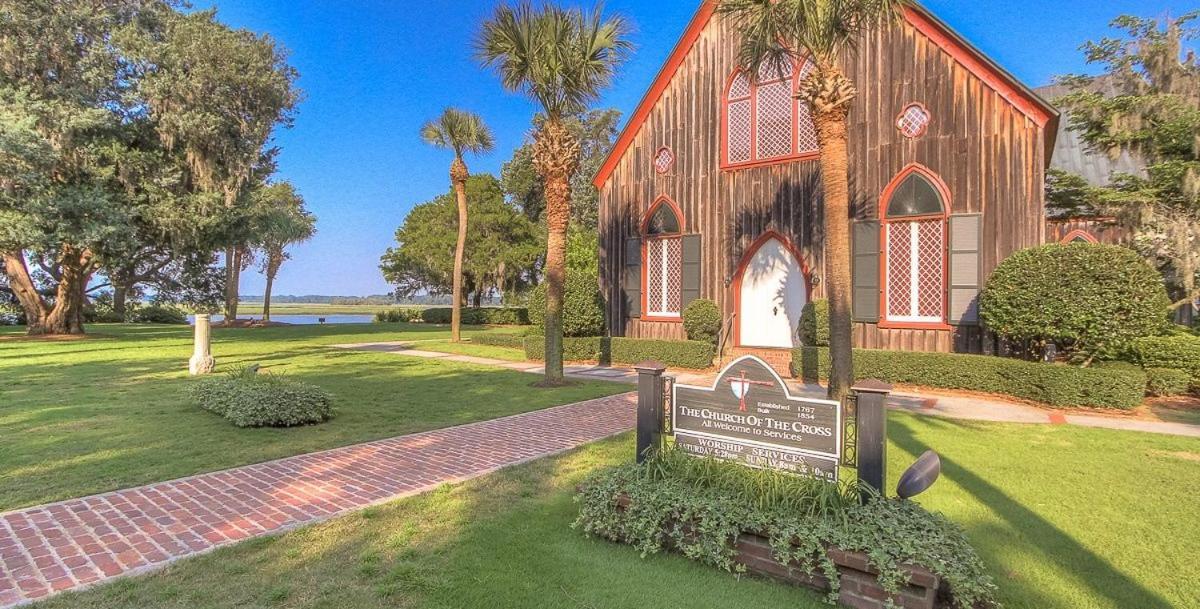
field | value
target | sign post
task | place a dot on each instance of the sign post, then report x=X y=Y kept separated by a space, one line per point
x=650 y=405
x=871 y=413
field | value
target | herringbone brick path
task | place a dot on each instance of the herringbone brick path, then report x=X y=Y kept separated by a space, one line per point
x=76 y=543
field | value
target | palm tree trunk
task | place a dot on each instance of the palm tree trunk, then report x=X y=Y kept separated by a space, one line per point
x=831 y=127
x=233 y=273
x=556 y=156
x=274 y=261
x=459 y=174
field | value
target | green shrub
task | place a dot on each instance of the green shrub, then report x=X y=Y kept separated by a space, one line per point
x=1112 y=385
x=814 y=324
x=478 y=317
x=1180 y=351
x=695 y=355
x=159 y=314
x=248 y=399
x=583 y=308
x=1166 y=382
x=702 y=321
x=401 y=315
x=802 y=520
x=1092 y=300
x=511 y=341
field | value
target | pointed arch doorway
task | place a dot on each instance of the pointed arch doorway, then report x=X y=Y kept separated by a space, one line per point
x=770 y=290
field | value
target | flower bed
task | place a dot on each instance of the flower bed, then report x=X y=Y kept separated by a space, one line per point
x=802 y=531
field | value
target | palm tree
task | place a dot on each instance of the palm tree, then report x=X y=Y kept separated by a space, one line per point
x=285 y=221
x=777 y=31
x=562 y=59
x=461 y=132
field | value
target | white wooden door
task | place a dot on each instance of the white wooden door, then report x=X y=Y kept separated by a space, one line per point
x=773 y=294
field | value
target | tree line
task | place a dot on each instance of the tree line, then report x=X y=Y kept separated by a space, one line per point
x=135 y=152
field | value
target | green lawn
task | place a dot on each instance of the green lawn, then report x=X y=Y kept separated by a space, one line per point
x=501 y=353
x=108 y=412
x=1064 y=517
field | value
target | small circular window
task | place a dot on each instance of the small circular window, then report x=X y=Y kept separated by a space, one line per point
x=664 y=161
x=913 y=121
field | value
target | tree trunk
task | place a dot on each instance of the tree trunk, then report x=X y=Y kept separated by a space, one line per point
x=556 y=156
x=120 y=296
x=274 y=261
x=458 y=176
x=21 y=283
x=479 y=298
x=233 y=273
x=830 y=95
x=67 y=315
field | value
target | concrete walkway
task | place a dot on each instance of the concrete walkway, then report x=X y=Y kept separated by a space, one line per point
x=931 y=404
x=73 y=544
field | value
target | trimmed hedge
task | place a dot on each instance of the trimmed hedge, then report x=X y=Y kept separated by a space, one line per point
x=814 y=324
x=1167 y=382
x=159 y=314
x=1181 y=352
x=511 y=341
x=692 y=354
x=247 y=399
x=702 y=321
x=470 y=317
x=1113 y=385
x=1091 y=300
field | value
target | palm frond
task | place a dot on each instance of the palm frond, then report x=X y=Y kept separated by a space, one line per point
x=460 y=131
x=561 y=58
x=775 y=31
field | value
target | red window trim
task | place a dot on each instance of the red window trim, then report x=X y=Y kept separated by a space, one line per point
x=886 y=198
x=1075 y=234
x=726 y=164
x=924 y=128
x=747 y=257
x=659 y=202
x=670 y=166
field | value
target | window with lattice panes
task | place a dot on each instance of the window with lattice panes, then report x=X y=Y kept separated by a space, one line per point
x=664 y=160
x=915 y=251
x=913 y=121
x=663 y=274
x=763 y=120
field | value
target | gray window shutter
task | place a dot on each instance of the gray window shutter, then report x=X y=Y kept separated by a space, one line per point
x=691 y=269
x=865 y=271
x=633 y=277
x=965 y=274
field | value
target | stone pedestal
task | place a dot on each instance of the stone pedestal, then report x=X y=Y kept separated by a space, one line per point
x=202 y=361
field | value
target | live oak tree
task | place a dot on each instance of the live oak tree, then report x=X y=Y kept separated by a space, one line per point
x=561 y=58
x=777 y=31
x=503 y=250
x=217 y=94
x=1154 y=115
x=284 y=221
x=460 y=132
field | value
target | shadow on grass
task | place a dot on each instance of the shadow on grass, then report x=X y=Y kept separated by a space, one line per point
x=1073 y=559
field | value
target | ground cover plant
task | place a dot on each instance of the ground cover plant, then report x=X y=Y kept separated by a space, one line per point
x=85 y=416
x=247 y=398
x=1049 y=509
x=701 y=506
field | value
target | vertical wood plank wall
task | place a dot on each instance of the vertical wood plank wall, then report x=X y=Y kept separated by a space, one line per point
x=990 y=155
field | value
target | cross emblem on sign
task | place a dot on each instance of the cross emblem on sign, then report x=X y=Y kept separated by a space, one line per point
x=741 y=388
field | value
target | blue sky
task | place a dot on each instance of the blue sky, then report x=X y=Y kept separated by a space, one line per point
x=374 y=70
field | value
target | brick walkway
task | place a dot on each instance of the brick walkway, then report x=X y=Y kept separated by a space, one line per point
x=76 y=543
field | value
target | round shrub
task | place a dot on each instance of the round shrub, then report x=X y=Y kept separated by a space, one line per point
x=1091 y=300
x=158 y=314
x=702 y=321
x=1166 y=382
x=248 y=399
x=583 y=308
x=814 y=324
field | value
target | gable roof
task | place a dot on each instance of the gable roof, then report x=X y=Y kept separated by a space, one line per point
x=1072 y=154
x=942 y=35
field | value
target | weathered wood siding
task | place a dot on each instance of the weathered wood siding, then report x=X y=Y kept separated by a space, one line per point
x=988 y=152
